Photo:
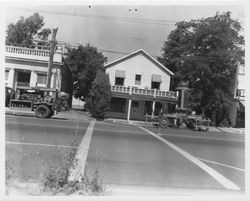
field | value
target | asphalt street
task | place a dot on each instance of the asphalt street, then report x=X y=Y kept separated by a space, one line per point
x=33 y=145
x=126 y=155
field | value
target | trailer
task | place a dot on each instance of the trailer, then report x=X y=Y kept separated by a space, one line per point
x=43 y=101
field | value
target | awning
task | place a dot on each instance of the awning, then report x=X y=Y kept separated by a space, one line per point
x=156 y=78
x=120 y=73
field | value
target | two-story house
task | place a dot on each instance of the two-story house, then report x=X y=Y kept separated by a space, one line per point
x=237 y=112
x=139 y=85
x=29 y=66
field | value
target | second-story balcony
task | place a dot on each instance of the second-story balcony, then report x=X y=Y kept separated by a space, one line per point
x=31 y=53
x=152 y=93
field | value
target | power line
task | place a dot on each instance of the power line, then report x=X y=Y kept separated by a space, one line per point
x=76 y=45
x=105 y=17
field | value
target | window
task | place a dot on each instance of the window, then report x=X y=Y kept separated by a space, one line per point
x=155 y=85
x=156 y=81
x=41 y=78
x=118 y=105
x=137 y=79
x=6 y=75
x=135 y=103
x=119 y=81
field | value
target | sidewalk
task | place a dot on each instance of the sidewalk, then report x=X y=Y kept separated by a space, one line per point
x=211 y=129
x=71 y=115
x=81 y=115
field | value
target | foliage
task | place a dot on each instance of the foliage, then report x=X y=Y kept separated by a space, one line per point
x=99 y=96
x=56 y=178
x=25 y=31
x=10 y=171
x=62 y=104
x=84 y=62
x=206 y=53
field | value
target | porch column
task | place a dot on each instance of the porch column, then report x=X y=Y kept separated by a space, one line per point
x=153 y=108
x=129 y=108
x=58 y=79
x=182 y=98
x=33 y=79
x=53 y=80
x=11 y=78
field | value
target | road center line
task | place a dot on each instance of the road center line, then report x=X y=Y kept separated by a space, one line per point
x=217 y=176
x=82 y=153
x=229 y=166
x=37 y=144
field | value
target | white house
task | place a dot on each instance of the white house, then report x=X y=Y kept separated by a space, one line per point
x=28 y=67
x=139 y=85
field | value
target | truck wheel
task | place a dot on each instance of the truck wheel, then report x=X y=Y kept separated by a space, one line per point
x=42 y=111
x=164 y=123
x=51 y=114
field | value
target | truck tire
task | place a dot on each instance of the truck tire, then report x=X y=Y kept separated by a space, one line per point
x=51 y=114
x=164 y=123
x=42 y=111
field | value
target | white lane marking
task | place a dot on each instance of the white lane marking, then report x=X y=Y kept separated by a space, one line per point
x=229 y=166
x=81 y=156
x=217 y=176
x=37 y=144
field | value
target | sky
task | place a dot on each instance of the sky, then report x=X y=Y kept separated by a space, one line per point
x=120 y=28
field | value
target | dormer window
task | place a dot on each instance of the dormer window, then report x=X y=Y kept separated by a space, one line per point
x=119 y=77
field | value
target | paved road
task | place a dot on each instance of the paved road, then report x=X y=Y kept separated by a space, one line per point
x=32 y=144
x=127 y=155
x=224 y=152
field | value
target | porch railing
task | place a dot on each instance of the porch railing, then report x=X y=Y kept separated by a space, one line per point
x=146 y=92
x=30 y=53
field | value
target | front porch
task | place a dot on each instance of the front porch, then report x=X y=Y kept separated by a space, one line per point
x=133 y=103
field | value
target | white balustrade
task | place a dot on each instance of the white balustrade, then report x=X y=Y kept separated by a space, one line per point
x=146 y=92
x=29 y=53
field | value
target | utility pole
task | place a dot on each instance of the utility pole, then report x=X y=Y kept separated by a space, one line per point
x=51 y=56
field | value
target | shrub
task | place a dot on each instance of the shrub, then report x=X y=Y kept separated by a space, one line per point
x=98 y=100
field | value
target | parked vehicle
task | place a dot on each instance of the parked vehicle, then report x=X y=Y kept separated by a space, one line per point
x=43 y=101
x=192 y=121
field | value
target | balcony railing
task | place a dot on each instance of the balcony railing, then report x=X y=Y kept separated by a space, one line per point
x=146 y=92
x=29 y=53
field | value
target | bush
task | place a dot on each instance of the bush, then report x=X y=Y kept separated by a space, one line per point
x=98 y=100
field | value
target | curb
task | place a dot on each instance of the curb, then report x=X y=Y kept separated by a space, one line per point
x=60 y=115
x=141 y=123
x=232 y=131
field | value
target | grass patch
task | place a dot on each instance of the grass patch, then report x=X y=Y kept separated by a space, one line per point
x=56 y=178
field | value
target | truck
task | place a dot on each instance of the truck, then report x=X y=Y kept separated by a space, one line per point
x=43 y=101
x=181 y=116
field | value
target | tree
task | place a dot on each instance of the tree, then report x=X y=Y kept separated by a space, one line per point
x=206 y=53
x=99 y=97
x=25 y=31
x=84 y=62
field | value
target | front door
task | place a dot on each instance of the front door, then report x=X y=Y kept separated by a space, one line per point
x=23 y=78
x=135 y=110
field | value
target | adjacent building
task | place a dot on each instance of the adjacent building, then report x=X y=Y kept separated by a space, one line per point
x=237 y=113
x=29 y=66
x=139 y=85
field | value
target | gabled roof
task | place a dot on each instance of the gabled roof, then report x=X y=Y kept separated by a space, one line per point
x=143 y=52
